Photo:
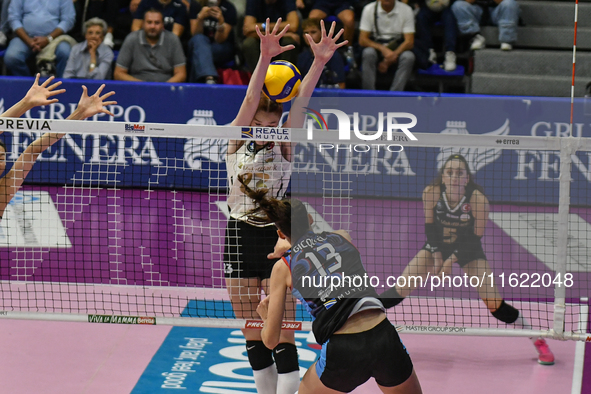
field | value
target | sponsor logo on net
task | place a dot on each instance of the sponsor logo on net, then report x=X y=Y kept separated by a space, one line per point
x=112 y=319
x=438 y=329
x=24 y=124
x=286 y=325
x=135 y=128
x=344 y=128
x=265 y=133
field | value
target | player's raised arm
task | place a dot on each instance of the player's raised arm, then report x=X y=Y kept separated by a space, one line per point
x=323 y=52
x=270 y=47
x=12 y=182
x=38 y=94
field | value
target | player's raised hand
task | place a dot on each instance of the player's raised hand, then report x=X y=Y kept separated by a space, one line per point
x=326 y=47
x=270 y=45
x=95 y=104
x=39 y=94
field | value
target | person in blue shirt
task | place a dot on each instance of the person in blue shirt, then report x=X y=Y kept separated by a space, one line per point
x=36 y=23
x=358 y=341
x=174 y=12
x=333 y=75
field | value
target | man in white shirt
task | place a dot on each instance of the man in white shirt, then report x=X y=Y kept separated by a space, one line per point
x=387 y=30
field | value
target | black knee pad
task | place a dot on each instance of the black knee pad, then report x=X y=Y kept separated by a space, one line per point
x=506 y=313
x=286 y=358
x=259 y=356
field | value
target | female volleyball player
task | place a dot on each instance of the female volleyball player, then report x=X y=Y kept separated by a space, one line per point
x=265 y=165
x=456 y=213
x=358 y=342
x=40 y=95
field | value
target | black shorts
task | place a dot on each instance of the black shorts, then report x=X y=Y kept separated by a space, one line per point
x=246 y=249
x=333 y=7
x=349 y=360
x=466 y=257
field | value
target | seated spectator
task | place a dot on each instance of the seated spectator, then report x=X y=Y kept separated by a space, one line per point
x=4 y=26
x=342 y=9
x=257 y=12
x=151 y=54
x=502 y=13
x=36 y=24
x=212 y=44
x=386 y=30
x=333 y=75
x=92 y=58
x=106 y=10
x=426 y=19
x=174 y=12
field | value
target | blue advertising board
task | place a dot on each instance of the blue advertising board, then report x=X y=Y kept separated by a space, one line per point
x=198 y=164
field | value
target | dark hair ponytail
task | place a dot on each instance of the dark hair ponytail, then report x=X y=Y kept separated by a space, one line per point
x=290 y=215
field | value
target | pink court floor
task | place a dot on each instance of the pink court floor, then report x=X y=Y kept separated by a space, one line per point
x=71 y=358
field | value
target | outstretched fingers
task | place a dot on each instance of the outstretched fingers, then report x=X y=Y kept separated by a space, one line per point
x=46 y=82
x=99 y=90
x=106 y=95
x=332 y=27
x=106 y=111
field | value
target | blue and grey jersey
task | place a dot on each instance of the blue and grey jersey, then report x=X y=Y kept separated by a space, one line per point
x=328 y=277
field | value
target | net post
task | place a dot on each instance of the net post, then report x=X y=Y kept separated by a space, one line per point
x=567 y=148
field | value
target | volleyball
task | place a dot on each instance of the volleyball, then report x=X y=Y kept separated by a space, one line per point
x=437 y=5
x=282 y=81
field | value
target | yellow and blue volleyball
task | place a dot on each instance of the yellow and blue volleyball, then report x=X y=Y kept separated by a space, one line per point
x=282 y=81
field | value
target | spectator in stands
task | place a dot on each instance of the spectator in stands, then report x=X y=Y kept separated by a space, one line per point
x=176 y=17
x=428 y=15
x=92 y=58
x=106 y=10
x=342 y=9
x=152 y=54
x=36 y=24
x=4 y=26
x=333 y=75
x=502 y=13
x=386 y=30
x=257 y=11
x=212 y=45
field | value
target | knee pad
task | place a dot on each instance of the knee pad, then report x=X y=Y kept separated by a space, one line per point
x=506 y=313
x=286 y=358
x=259 y=356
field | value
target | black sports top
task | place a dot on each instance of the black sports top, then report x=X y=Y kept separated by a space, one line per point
x=454 y=224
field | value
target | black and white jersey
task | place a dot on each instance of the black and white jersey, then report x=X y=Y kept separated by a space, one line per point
x=266 y=168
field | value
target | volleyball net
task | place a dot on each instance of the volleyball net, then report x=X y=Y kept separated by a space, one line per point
x=134 y=228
